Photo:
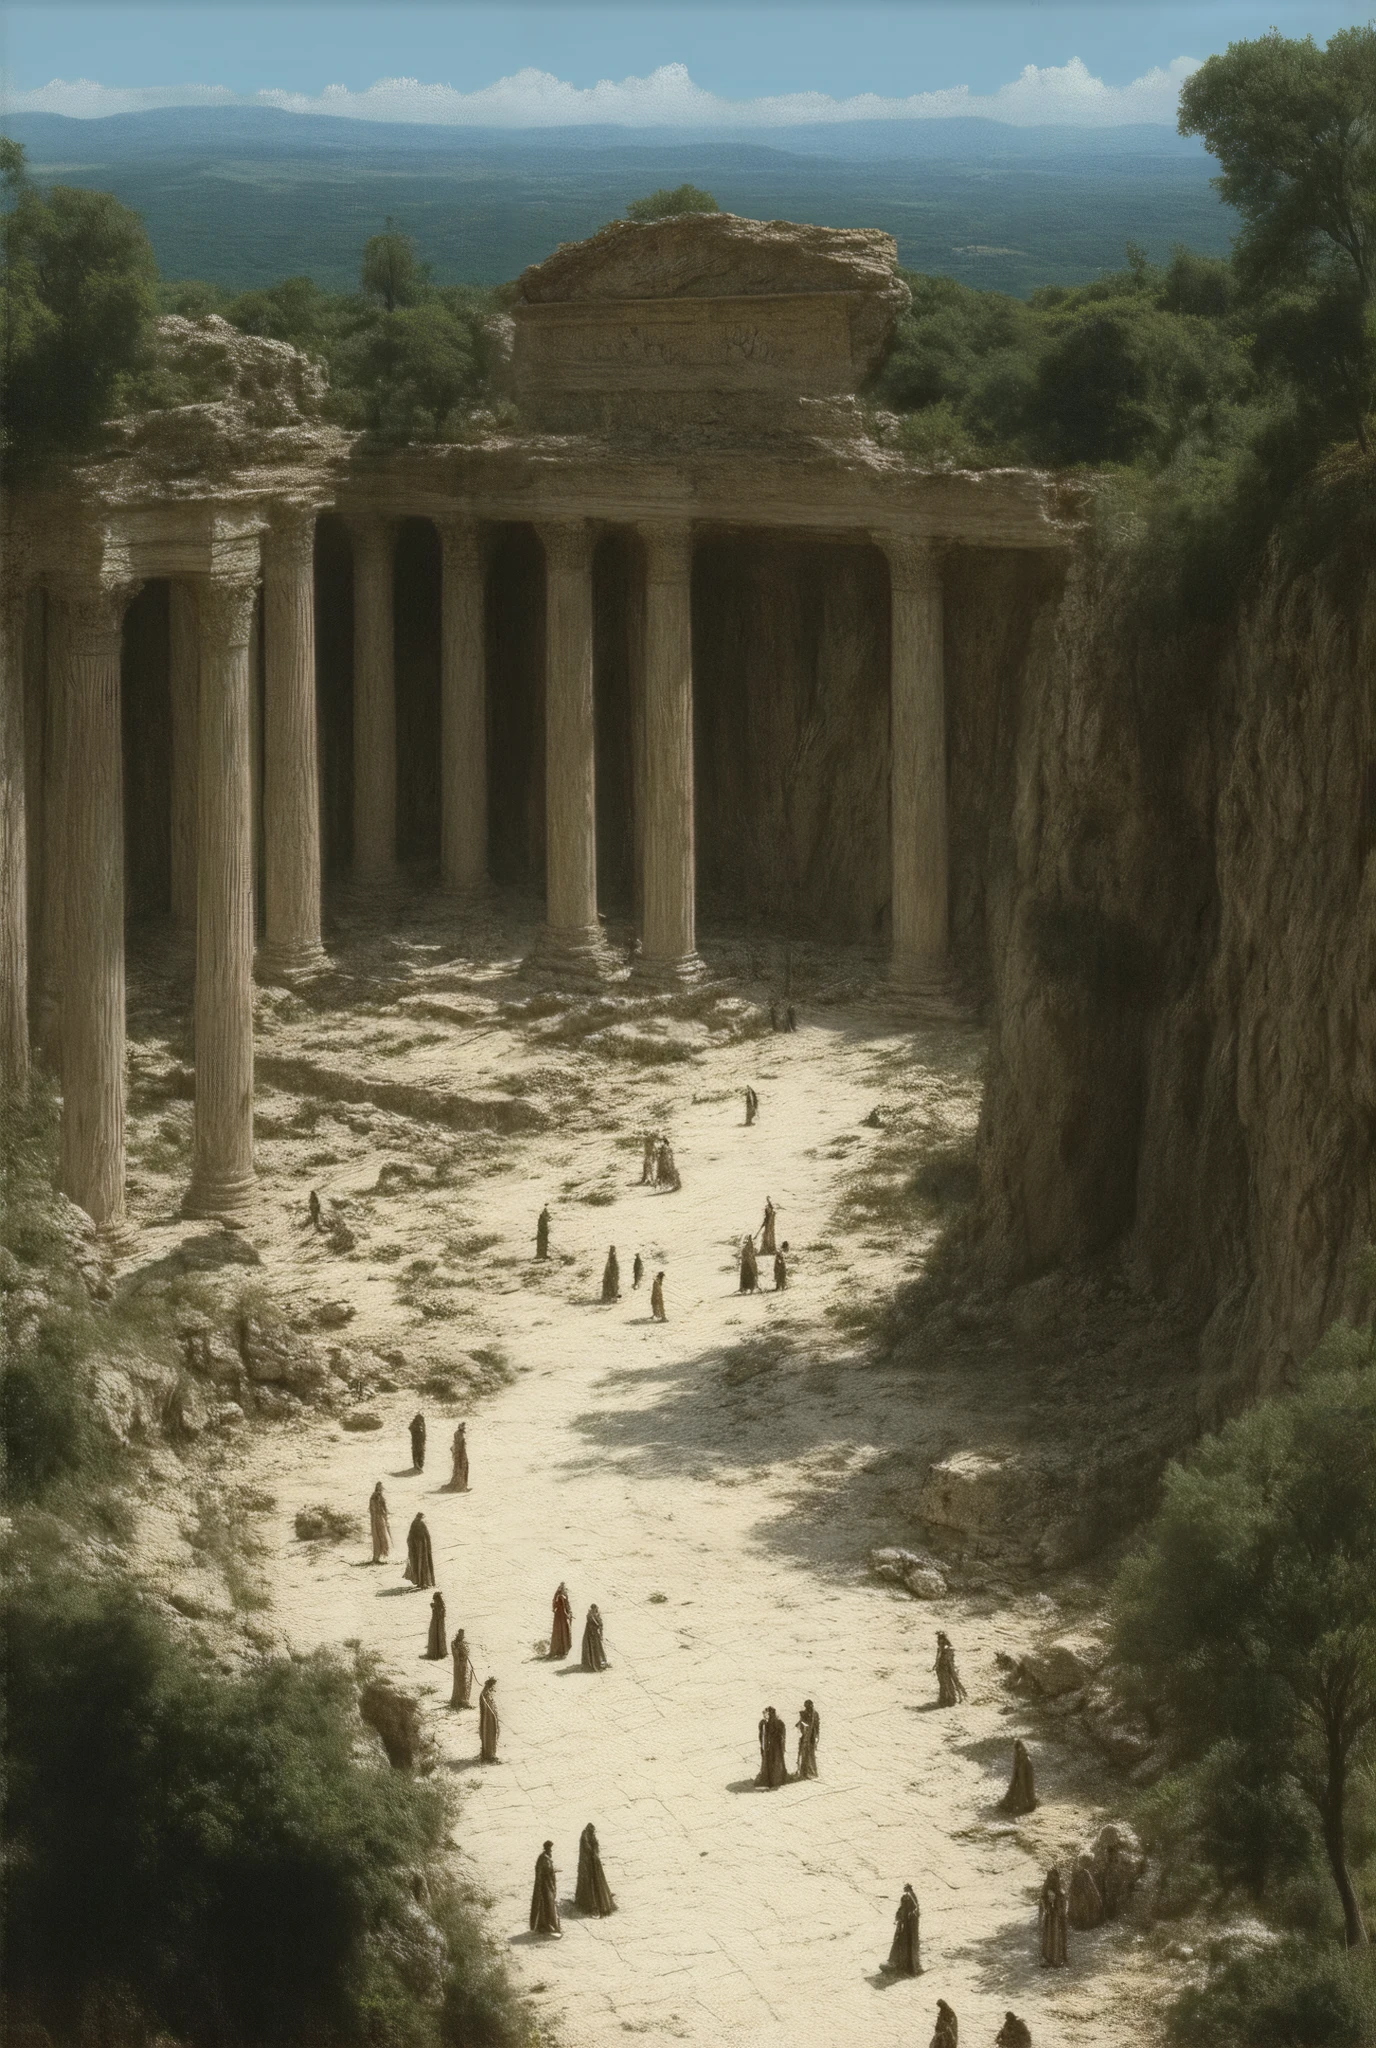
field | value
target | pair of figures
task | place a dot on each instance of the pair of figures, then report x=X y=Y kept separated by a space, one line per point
x=773 y=1770
x=594 y=1651
x=458 y=1450
x=750 y=1266
x=592 y=1894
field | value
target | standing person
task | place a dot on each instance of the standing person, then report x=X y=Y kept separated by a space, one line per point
x=1014 y=2033
x=637 y=1270
x=420 y=1559
x=790 y=1019
x=750 y=1269
x=752 y=1106
x=1021 y=1796
x=947 y=2034
x=767 y=1243
x=905 y=1954
x=458 y=1480
x=544 y=1900
x=780 y=1273
x=657 y=1309
x=594 y=1647
x=380 y=1524
x=464 y=1674
x=1052 y=1921
x=437 y=1642
x=561 y=1630
x=489 y=1727
x=317 y=1217
x=949 y=1690
x=611 y=1278
x=592 y=1894
x=773 y=1016
x=647 y=1164
x=417 y=1427
x=542 y=1233
x=1084 y=1900
x=809 y=1734
x=773 y=1762
x=666 y=1173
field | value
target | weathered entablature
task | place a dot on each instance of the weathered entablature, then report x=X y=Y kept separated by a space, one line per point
x=685 y=387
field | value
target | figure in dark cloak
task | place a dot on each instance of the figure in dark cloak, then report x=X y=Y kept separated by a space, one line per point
x=489 y=1727
x=542 y=1233
x=637 y=1270
x=773 y=1016
x=561 y=1629
x=464 y=1674
x=594 y=1647
x=1052 y=1920
x=905 y=1953
x=809 y=1735
x=647 y=1164
x=790 y=1019
x=666 y=1173
x=544 y=1900
x=1084 y=1900
x=458 y=1481
x=611 y=1278
x=437 y=1642
x=773 y=1763
x=420 y=1559
x=750 y=1267
x=767 y=1244
x=657 y=1309
x=949 y=1690
x=1021 y=1796
x=752 y=1106
x=1014 y=2033
x=417 y=1427
x=947 y=2031
x=317 y=1214
x=379 y=1524
x=592 y=1893
x=780 y=1272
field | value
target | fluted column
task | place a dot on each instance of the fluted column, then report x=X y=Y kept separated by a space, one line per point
x=463 y=708
x=291 y=777
x=570 y=785
x=668 y=931
x=375 y=700
x=222 y=1164
x=91 y=987
x=917 y=790
x=184 y=677
x=14 y=873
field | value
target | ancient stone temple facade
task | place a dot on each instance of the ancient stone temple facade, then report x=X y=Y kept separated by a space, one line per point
x=680 y=626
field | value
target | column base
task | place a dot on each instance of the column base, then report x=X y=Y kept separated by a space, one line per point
x=580 y=954
x=218 y=1197
x=682 y=972
x=273 y=964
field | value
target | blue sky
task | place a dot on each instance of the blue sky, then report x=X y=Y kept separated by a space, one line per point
x=713 y=61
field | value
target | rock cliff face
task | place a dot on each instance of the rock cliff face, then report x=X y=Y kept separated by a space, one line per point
x=1181 y=928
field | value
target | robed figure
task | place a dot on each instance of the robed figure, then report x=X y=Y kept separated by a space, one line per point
x=905 y=1954
x=809 y=1734
x=379 y=1524
x=647 y=1163
x=489 y=1727
x=1021 y=1796
x=1014 y=2033
x=780 y=1272
x=657 y=1299
x=593 y=1894
x=458 y=1450
x=464 y=1674
x=594 y=1646
x=542 y=1233
x=420 y=1560
x=1084 y=1900
x=767 y=1243
x=750 y=1266
x=752 y=1106
x=561 y=1628
x=949 y=1690
x=417 y=1428
x=637 y=1270
x=544 y=1899
x=437 y=1642
x=773 y=1763
x=611 y=1278
x=1052 y=1921
x=666 y=1173
x=946 y=2033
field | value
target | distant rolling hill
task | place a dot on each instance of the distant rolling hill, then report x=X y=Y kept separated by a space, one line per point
x=245 y=195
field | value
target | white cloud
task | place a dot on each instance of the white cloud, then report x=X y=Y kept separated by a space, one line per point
x=1060 y=94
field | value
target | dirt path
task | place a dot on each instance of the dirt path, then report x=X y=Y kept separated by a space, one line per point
x=707 y=1491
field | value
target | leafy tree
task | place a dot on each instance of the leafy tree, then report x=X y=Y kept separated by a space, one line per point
x=661 y=204
x=414 y=368
x=78 y=299
x=1248 y=1615
x=390 y=273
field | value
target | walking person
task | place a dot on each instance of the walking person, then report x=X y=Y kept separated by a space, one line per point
x=544 y=1899
x=592 y=1894
x=905 y=1953
x=379 y=1523
x=417 y=1429
x=947 y=2034
x=594 y=1657
x=809 y=1734
x=561 y=1629
x=420 y=1558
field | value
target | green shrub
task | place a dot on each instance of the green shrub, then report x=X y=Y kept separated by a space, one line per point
x=1292 y=1996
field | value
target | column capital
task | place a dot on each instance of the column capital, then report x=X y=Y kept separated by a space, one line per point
x=291 y=539
x=668 y=545
x=461 y=541
x=225 y=606
x=567 y=542
x=913 y=560
x=93 y=609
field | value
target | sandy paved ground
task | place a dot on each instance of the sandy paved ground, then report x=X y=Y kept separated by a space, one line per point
x=712 y=1499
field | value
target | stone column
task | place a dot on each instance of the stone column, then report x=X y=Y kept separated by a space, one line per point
x=291 y=776
x=571 y=928
x=222 y=1164
x=92 y=894
x=14 y=874
x=463 y=708
x=917 y=789
x=52 y=941
x=375 y=705
x=668 y=928
x=184 y=672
